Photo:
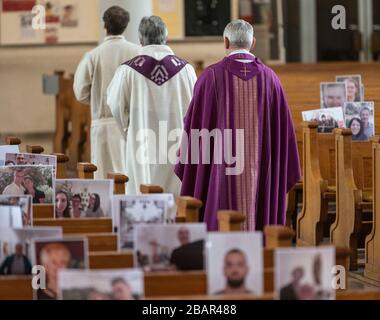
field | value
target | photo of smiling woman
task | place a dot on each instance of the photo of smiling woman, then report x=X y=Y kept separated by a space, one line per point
x=353 y=85
x=360 y=118
x=356 y=127
x=94 y=210
x=62 y=209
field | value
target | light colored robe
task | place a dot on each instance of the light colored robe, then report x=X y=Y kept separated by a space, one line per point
x=91 y=81
x=139 y=103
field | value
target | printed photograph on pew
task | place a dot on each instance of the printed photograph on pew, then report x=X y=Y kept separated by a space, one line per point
x=16 y=211
x=37 y=181
x=131 y=211
x=16 y=250
x=170 y=247
x=4 y=149
x=304 y=273
x=235 y=263
x=22 y=159
x=79 y=198
x=360 y=118
x=125 y=284
x=355 y=88
x=54 y=254
x=333 y=94
x=328 y=119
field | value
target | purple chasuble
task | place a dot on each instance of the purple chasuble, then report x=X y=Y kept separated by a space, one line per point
x=157 y=71
x=248 y=98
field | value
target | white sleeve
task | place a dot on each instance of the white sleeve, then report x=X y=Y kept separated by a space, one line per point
x=83 y=80
x=118 y=98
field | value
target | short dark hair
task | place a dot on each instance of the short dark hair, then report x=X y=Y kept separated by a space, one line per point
x=119 y=280
x=76 y=196
x=116 y=20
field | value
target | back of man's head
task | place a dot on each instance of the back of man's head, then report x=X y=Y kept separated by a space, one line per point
x=240 y=34
x=116 y=20
x=152 y=30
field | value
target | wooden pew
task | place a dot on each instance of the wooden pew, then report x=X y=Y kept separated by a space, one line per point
x=354 y=191
x=304 y=95
x=79 y=140
x=185 y=285
x=150 y=188
x=230 y=221
x=62 y=115
x=372 y=243
x=12 y=141
x=318 y=184
x=188 y=209
x=34 y=149
x=73 y=122
x=156 y=284
x=86 y=170
x=62 y=161
x=119 y=182
x=77 y=226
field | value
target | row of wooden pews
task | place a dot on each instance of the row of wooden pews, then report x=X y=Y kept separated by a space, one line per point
x=103 y=252
x=337 y=169
x=301 y=85
x=73 y=123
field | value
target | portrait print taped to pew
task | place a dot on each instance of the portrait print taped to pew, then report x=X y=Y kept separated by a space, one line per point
x=18 y=246
x=234 y=263
x=12 y=159
x=133 y=210
x=360 y=118
x=55 y=254
x=328 y=119
x=123 y=284
x=25 y=204
x=333 y=94
x=37 y=181
x=4 y=149
x=304 y=273
x=170 y=247
x=355 y=92
x=80 y=198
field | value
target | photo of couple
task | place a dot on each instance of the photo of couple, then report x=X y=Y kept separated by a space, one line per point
x=36 y=181
x=360 y=119
x=304 y=274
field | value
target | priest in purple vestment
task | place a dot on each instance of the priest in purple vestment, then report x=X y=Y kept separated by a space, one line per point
x=239 y=150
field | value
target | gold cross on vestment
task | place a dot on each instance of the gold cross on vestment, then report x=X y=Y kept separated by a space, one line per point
x=245 y=71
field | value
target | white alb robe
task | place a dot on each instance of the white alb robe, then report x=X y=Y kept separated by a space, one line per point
x=91 y=81
x=138 y=103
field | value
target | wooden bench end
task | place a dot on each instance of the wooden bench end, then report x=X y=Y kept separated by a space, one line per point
x=150 y=188
x=13 y=141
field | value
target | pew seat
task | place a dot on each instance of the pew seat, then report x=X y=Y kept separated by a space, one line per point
x=100 y=241
x=78 y=226
x=111 y=260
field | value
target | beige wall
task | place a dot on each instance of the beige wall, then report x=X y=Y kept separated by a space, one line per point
x=25 y=109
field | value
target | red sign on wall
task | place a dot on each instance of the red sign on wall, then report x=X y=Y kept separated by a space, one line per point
x=18 y=5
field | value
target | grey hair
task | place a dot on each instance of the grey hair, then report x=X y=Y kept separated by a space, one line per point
x=152 y=30
x=240 y=34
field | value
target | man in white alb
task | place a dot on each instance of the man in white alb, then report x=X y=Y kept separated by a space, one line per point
x=91 y=81
x=149 y=96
